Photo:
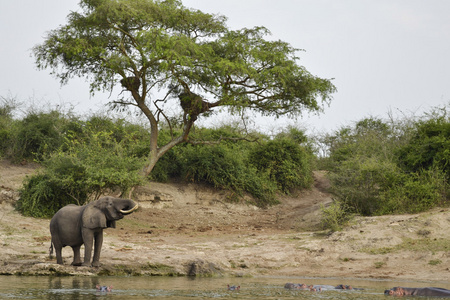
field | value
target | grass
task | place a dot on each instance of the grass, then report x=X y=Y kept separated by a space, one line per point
x=376 y=251
x=414 y=245
x=435 y=262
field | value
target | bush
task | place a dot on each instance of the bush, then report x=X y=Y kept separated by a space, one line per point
x=428 y=148
x=286 y=162
x=37 y=135
x=7 y=107
x=415 y=192
x=379 y=169
x=86 y=170
x=335 y=216
x=361 y=180
x=42 y=196
x=219 y=166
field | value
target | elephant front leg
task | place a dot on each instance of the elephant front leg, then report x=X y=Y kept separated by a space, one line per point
x=97 y=248
x=88 y=239
x=76 y=256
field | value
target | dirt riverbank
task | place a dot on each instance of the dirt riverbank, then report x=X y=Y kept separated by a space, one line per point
x=187 y=229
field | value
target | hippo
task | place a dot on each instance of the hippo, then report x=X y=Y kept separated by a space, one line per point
x=103 y=288
x=344 y=287
x=233 y=287
x=316 y=288
x=302 y=286
x=296 y=286
x=426 y=291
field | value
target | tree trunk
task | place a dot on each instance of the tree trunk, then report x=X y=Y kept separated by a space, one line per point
x=157 y=152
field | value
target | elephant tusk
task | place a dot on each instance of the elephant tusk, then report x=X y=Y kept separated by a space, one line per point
x=126 y=212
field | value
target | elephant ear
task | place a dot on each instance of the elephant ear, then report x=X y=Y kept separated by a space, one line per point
x=93 y=218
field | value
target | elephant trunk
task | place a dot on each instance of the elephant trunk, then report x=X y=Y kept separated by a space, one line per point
x=127 y=212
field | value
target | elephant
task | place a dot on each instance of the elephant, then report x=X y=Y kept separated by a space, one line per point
x=426 y=291
x=75 y=225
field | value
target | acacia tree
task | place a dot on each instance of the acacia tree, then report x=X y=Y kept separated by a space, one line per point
x=190 y=58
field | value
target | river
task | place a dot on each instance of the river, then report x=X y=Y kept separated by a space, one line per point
x=136 y=288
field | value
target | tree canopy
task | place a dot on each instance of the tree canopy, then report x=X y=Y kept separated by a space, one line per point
x=190 y=59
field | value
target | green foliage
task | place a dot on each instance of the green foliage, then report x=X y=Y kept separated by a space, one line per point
x=414 y=192
x=89 y=164
x=99 y=154
x=37 y=135
x=429 y=147
x=221 y=167
x=165 y=42
x=360 y=180
x=380 y=168
x=287 y=163
x=335 y=216
x=42 y=195
x=6 y=122
x=104 y=161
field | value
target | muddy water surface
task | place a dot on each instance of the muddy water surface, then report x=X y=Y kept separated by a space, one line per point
x=65 y=288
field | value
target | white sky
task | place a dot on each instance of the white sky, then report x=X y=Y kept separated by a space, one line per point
x=385 y=55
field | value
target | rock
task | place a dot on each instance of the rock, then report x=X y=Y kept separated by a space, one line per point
x=203 y=268
x=8 y=195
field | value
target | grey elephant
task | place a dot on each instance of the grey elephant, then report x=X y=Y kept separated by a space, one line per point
x=76 y=225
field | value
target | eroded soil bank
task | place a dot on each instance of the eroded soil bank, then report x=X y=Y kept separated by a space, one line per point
x=189 y=229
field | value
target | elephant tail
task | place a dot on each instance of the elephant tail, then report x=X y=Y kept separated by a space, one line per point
x=50 y=250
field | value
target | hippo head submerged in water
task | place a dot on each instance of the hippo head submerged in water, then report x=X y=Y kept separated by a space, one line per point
x=315 y=288
x=396 y=291
x=302 y=286
x=344 y=287
x=103 y=288
x=295 y=286
x=427 y=291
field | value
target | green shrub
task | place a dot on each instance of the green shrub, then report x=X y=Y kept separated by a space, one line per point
x=86 y=170
x=402 y=168
x=335 y=216
x=220 y=166
x=362 y=165
x=5 y=136
x=361 y=180
x=415 y=192
x=287 y=163
x=428 y=148
x=7 y=107
x=42 y=196
x=37 y=135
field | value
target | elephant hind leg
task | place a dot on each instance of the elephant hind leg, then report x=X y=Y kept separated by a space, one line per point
x=58 y=251
x=76 y=256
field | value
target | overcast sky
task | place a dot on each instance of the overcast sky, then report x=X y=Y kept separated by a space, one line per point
x=384 y=55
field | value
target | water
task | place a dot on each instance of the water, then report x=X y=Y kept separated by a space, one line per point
x=137 y=288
